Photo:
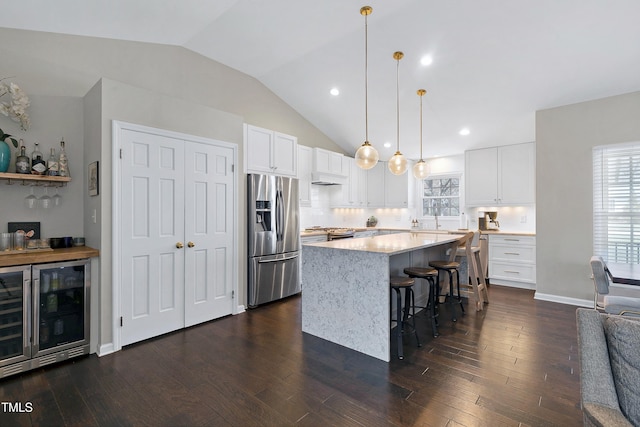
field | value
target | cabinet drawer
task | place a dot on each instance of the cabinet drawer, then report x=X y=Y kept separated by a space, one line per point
x=512 y=240
x=515 y=272
x=500 y=252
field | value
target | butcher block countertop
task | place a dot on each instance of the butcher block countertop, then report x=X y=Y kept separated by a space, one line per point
x=42 y=256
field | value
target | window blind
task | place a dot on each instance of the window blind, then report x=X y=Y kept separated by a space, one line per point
x=616 y=202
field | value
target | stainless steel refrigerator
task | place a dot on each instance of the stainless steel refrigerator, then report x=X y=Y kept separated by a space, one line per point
x=273 y=230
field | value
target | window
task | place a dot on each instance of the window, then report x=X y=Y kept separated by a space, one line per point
x=616 y=202
x=441 y=196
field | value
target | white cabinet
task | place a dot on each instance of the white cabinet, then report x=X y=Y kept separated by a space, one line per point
x=512 y=260
x=328 y=167
x=386 y=190
x=270 y=152
x=305 y=162
x=398 y=189
x=375 y=185
x=500 y=176
x=351 y=194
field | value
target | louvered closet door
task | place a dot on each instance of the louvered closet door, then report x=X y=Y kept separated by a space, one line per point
x=152 y=224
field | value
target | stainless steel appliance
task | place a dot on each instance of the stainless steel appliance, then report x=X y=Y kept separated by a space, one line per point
x=489 y=221
x=273 y=231
x=44 y=314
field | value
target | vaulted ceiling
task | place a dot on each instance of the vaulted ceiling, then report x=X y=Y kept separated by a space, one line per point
x=494 y=62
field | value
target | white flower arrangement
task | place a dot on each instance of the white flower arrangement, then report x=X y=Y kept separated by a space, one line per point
x=16 y=109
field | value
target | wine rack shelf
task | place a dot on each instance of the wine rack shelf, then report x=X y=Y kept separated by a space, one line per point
x=34 y=179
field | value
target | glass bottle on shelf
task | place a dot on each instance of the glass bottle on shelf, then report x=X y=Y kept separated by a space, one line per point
x=23 y=163
x=63 y=161
x=52 y=163
x=38 y=165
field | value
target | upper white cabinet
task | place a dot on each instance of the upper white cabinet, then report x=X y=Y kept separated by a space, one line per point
x=305 y=163
x=500 y=176
x=352 y=194
x=328 y=167
x=386 y=190
x=375 y=185
x=270 y=152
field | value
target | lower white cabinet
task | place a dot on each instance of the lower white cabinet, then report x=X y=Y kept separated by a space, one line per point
x=512 y=260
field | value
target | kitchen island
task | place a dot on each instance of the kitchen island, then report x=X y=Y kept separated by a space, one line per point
x=345 y=286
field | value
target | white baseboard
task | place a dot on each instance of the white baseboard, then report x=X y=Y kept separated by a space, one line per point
x=564 y=300
x=240 y=309
x=105 y=349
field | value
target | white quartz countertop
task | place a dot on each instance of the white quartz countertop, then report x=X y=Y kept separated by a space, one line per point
x=390 y=244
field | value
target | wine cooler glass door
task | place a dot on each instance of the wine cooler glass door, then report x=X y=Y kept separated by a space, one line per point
x=15 y=327
x=61 y=300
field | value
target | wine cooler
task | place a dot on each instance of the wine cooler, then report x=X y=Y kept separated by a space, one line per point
x=44 y=314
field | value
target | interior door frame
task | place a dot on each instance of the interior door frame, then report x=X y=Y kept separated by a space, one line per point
x=116 y=136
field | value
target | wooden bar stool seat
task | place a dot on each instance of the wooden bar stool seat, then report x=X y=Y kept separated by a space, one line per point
x=451 y=266
x=431 y=276
x=402 y=315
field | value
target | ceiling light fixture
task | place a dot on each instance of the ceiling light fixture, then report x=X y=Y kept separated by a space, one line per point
x=421 y=169
x=426 y=60
x=335 y=91
x=366 y=156
x=398 y=163
x=464 y=131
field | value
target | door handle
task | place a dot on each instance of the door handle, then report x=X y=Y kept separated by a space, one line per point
x=191 y=244
x=179 y=245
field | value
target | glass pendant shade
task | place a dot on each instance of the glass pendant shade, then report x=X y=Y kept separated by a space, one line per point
x=397 y=164
x=366 y=156
x=421 y=169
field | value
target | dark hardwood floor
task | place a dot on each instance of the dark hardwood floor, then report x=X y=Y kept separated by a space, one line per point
x=514 y=364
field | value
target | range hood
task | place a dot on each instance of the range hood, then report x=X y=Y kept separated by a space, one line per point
x=329 y=168
x=326 y=178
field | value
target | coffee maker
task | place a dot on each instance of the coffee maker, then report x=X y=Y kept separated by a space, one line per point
x=489 y=221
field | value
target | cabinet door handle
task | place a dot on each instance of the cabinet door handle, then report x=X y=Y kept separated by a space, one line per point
x=512 y=240
x=512 y=271
x=179 y=245
x=511 y=253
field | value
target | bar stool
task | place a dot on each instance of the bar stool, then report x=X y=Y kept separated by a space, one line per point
x=451 y=266
x=397 y=285
x=477 y=280
x=431 y=276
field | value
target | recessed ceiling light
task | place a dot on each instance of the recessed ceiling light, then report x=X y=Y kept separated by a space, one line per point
x=334 y=91
x=426 y=60
x=387 y=144
x=464 y=131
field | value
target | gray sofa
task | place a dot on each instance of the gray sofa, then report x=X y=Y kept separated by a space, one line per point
x=609 y=349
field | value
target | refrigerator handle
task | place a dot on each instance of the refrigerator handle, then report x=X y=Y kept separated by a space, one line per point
x=279 y=215
x=278 y=260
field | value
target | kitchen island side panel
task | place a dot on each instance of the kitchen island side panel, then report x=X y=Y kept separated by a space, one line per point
x=345 y=298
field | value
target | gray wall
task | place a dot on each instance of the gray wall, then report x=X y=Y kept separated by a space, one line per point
x=565 y=137
x=78 y=85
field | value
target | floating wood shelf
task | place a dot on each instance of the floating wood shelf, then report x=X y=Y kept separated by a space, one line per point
x=35 y=179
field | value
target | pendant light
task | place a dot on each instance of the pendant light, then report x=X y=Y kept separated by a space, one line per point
x=421 y=169
x=366 y=156
x=398 y=163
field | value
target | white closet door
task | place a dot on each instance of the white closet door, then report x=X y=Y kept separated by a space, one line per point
x=209 y=242
x=152 y=228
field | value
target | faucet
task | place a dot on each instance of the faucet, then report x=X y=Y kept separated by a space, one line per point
x=435 y=215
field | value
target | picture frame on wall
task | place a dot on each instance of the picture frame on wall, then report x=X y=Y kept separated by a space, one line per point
x=94 y=179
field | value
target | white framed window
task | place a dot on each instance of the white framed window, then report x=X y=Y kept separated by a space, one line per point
x=441 y=195
x=616 y=202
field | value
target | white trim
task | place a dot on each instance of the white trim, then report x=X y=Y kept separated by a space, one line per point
x=105 y=349
x=116 y=128
x=563 y=300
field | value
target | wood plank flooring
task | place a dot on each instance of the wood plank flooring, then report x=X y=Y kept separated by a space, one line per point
x=514 y=364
